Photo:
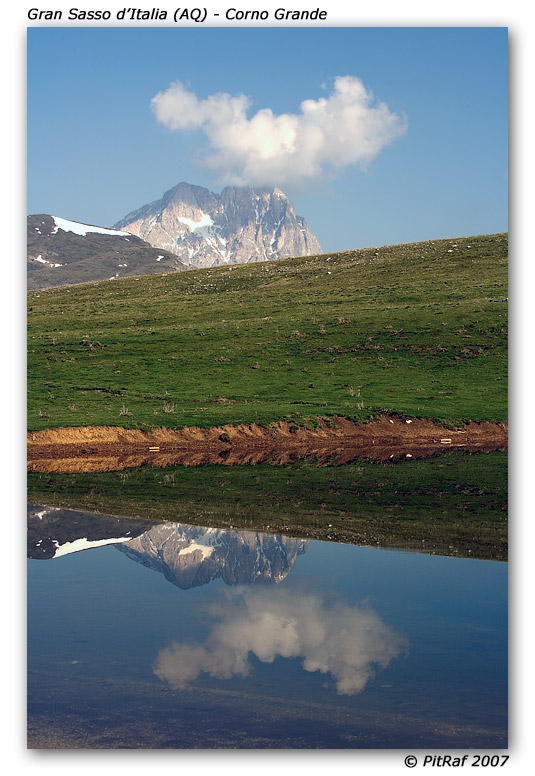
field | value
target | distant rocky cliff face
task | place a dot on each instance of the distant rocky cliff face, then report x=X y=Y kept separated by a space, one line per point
x=238 y=226
x=189 y=556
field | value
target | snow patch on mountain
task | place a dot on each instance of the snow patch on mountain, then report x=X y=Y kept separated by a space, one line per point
x=83 y=229
x=85 y=544
x=206 y=550
x=204 y=220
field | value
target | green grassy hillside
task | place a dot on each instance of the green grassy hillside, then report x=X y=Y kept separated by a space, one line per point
x=410 y=329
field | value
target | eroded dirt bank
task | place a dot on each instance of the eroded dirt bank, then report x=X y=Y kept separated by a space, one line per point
x=337 y=440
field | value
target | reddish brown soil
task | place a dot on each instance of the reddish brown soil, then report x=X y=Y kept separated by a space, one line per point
x=339 y=440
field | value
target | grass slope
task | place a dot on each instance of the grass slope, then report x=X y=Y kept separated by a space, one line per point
x=410 y=329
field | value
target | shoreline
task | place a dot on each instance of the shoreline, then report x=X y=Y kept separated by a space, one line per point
x=334 y=440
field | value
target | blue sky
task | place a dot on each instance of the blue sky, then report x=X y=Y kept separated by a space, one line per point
x=96 y=149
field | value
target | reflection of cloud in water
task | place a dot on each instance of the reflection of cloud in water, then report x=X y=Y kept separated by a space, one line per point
x=331 y=637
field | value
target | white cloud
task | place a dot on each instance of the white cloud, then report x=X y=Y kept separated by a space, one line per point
x=336 y=638
x=329 y=134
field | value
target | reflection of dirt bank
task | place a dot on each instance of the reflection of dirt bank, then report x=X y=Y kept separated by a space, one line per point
x=339 y=441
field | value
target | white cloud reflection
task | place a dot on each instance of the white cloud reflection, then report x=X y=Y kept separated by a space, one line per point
x=335 y=638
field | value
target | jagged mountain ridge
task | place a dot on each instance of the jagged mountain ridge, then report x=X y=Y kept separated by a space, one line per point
x=190 y=556
x=238 y=226
x=62 y=252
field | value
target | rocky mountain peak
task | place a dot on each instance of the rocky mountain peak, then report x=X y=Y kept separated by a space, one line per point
x=190 y=556
x=238 y=226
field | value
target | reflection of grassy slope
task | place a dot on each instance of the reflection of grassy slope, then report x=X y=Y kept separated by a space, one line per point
x=453 y=503
x=408 y=328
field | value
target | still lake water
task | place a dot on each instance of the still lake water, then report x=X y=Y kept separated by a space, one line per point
x=166 y=635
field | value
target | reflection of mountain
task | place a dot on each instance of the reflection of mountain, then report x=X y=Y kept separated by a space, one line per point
x=189 y=556
x=53 y=532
